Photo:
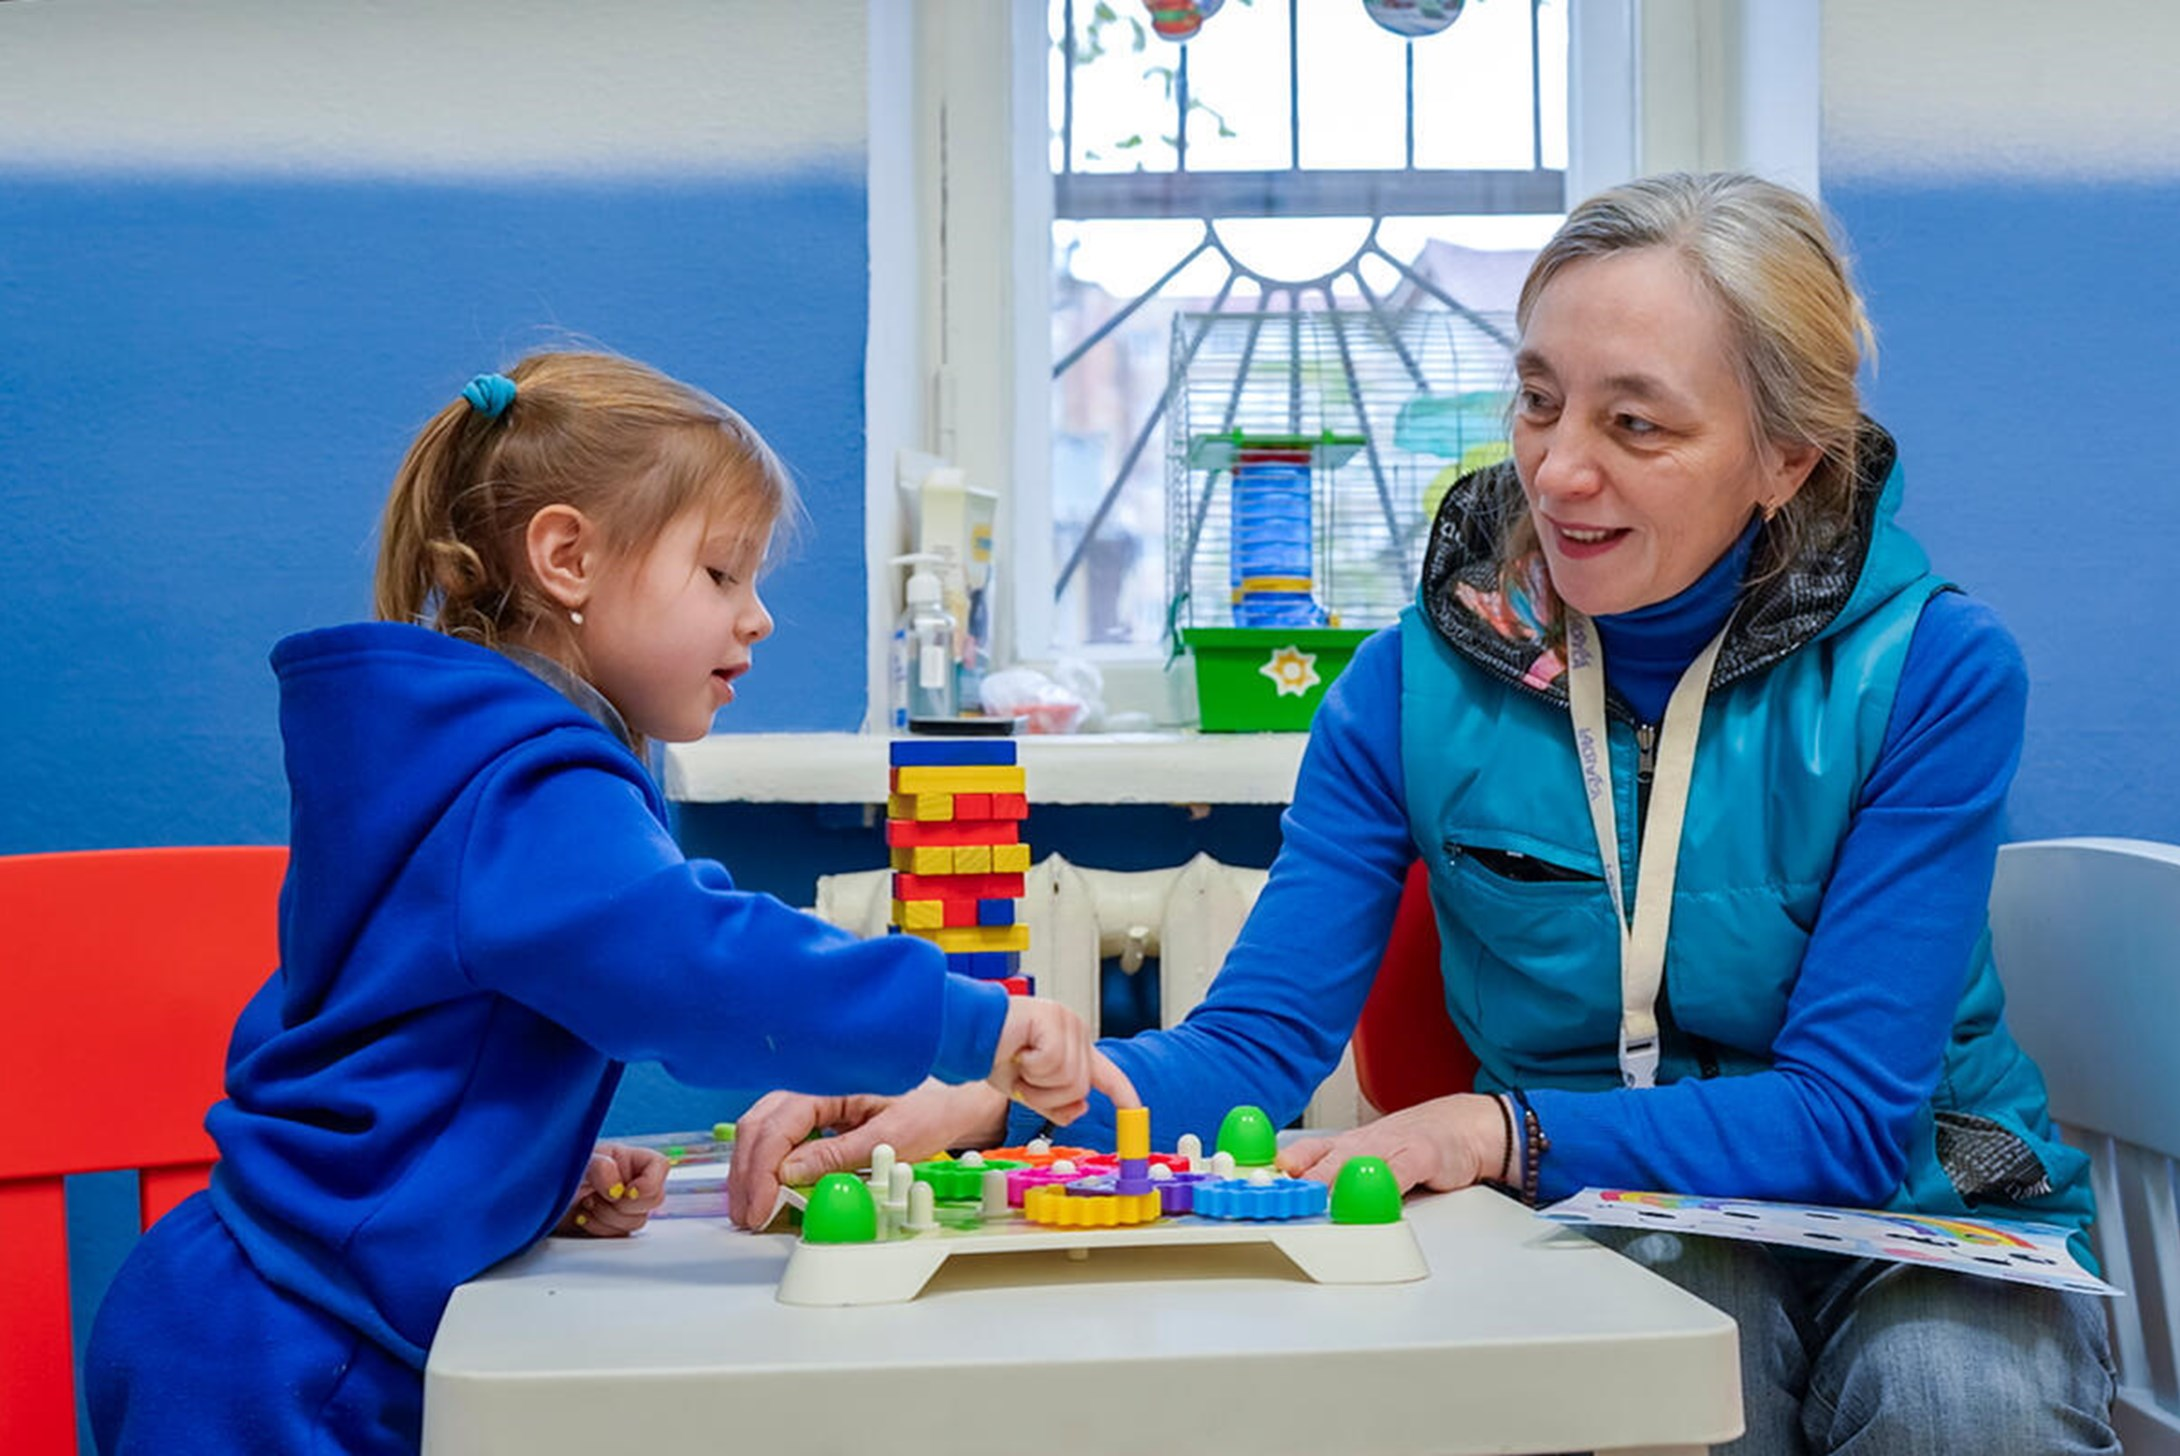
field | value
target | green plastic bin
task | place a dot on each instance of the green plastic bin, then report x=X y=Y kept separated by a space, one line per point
x=1265 y=679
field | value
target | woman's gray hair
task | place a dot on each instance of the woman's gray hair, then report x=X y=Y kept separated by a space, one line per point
x=1766 y=253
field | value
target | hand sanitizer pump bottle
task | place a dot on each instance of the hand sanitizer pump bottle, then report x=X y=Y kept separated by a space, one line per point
x=922 y=672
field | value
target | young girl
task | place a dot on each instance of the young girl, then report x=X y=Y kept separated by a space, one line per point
x=485 y=916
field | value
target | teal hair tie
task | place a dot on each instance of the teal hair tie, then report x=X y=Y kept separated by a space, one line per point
x=490 y=394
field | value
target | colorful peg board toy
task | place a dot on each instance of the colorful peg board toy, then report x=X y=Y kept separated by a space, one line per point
x=878 y=1238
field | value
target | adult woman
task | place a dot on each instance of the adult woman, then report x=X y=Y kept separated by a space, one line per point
x=1677 y=654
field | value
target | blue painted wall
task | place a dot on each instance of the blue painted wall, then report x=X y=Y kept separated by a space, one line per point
x=2028 y=365
x=206 y=385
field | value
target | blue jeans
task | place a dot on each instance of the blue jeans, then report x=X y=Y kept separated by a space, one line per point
x=1865 y=1358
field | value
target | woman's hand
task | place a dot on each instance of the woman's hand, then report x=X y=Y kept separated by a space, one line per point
x=621 y=1188
x=773 y=1146
x=1449 y=1142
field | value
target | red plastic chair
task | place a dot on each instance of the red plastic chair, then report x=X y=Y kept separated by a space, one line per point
x=1406 y=1048
x=125 y=970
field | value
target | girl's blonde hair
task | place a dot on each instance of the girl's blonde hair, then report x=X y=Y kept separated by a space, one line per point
x=1799 y=332
x=624 y=444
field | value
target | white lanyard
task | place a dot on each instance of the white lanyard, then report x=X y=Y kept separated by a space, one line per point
x=1642 y=939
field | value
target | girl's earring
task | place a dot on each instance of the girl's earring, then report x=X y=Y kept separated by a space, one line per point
x=576 y=618
x=1771 y=509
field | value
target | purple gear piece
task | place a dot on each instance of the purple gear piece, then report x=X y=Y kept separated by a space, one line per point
x=1282 y=1198
x=1178 y=1193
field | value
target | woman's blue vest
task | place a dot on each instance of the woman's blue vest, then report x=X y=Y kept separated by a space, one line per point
x=1532 y=968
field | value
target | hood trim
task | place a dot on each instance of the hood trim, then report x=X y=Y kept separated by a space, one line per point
x=1518 y=638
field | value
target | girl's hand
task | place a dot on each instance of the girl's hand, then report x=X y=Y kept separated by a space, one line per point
x=621 y=1188
x=1449 y=1142
x=1049 y=1062
x=773 y=1143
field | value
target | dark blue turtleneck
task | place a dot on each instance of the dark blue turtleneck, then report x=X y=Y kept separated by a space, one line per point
x=1647 y=650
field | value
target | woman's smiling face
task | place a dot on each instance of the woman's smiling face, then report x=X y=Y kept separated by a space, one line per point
x=1634 y=435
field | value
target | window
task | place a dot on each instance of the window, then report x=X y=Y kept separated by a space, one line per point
x=1301 y=219
x=1065 y=158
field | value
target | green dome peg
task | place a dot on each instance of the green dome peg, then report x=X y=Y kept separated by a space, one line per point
x=841 y=1211
x=1365 y=1191
x=1249 y=1136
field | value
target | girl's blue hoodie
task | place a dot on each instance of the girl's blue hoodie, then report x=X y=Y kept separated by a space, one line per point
x=484 y=917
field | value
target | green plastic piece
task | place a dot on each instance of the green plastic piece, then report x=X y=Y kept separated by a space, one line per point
x=1249 y=1135
x=1365 y=1191
x=956 y=1182
x=722 y=1132
x=1328 y=451
x=1235 y=693
x=840 y=1211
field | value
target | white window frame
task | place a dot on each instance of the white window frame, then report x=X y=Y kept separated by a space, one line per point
x=959 y=360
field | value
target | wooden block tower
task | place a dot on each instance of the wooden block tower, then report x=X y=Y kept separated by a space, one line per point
x=953 y=827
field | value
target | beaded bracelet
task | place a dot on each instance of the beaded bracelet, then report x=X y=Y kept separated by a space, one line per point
x=1534 y=1146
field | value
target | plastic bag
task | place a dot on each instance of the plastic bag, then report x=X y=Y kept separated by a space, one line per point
x=1043 y=705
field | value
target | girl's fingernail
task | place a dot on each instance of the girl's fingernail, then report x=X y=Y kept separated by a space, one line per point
x=615 y=1190
x=581 y=1219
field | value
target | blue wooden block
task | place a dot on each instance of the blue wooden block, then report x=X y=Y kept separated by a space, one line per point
x=995 y=912
x=950 y=752
x=986 y=965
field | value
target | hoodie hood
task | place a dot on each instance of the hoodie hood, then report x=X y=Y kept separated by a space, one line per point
x=1512 y=629
x=355 y=703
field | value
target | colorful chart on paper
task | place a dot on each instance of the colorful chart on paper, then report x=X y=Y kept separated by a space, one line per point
x=2025 y=1253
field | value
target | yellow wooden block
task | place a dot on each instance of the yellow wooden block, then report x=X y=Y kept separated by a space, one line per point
x=968 y=778
x=919 y=914
x=924 y=859
x=981 y=937
x=1010 y=859
x=922 y=807
x=972 y=859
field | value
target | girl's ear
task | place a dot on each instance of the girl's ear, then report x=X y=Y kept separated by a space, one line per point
x=563 y=549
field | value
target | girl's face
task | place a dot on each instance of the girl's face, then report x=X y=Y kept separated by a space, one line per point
x=666 y=633
x=1633 y=433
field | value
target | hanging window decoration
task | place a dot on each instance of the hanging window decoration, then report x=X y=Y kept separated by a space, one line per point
x=1414 y=19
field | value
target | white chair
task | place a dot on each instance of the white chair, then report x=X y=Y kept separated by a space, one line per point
x=2087 y=937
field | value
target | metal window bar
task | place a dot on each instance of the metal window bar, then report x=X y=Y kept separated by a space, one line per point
x=1294 y=192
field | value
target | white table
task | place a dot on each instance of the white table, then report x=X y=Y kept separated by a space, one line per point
x=1526 y=1338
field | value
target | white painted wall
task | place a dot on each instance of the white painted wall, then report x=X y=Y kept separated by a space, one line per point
x=668 y=87
x=2083 y=91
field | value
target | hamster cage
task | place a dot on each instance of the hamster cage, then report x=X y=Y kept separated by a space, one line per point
x=1307 y=452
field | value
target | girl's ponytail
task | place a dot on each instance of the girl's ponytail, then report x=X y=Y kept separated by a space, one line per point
x=624 y=444
x=428 y=573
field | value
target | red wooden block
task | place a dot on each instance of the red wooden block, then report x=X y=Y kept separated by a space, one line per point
x=957 y=887
x=901 y=832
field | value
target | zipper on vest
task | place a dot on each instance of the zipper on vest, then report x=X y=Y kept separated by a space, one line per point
x=1646 y=763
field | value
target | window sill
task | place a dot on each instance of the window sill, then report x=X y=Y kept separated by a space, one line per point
x=1090 y=768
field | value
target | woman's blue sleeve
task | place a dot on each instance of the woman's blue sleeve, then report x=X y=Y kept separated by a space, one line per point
x=1274 y=1022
